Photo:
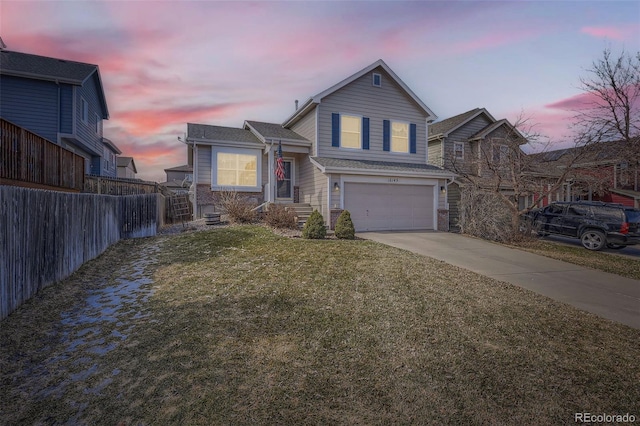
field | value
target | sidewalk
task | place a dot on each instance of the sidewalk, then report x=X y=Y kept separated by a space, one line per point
x=604 y=294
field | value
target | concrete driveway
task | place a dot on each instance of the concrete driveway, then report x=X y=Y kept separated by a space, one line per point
x=607 y=295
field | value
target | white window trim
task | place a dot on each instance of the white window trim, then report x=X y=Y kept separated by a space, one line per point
x=373 y=79
x=359 y=117
x=391 y=137
x=228 y=150
x=292 y=160
x=460 y=144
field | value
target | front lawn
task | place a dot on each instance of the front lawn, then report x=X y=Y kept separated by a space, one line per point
x=240 y=326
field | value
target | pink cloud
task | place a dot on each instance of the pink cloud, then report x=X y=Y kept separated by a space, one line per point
x=620 y=33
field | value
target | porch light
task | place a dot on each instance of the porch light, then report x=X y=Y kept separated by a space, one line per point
x=336 y=186
x=442 y=189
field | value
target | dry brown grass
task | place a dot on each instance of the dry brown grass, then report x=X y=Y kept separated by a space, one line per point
x=246 y=327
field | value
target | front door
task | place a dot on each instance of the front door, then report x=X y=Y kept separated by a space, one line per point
x=284 y=188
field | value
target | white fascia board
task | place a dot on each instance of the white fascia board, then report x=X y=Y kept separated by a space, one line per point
x=377 y=172
x=318 y=165
x=211 y=142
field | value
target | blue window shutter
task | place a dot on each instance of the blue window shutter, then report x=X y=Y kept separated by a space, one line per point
x=335 y=129
x=386 y=135
x=365 y=133
x=412 y=138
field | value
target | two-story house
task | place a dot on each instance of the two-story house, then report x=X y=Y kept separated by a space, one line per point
x=360 y=145
x=126 y=167
x=60 y=100
x=479 y=149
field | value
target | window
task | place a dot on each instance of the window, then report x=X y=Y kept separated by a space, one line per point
x=85 y=111
x=399 y=137
x=500 y=153
x=237 y=169
x=377 y=80
x=458 y=150
x=578 y=210
x=350 y=132
x=97 y=124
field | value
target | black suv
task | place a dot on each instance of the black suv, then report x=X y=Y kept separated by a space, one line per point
x=597 y=224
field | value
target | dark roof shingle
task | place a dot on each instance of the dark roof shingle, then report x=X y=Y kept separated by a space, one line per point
x=220 y=133
x=274 y=131
x=450 y=123
x=43 y=67
x=376 y=165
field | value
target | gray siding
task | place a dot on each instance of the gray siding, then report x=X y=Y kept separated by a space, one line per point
x=204 y=165
x=435 y=153
x=361 y=98
x=313 y=187
x=32 y=104
x=306 y=127
x=66 y=108
x=469 y=165
x=86 y=132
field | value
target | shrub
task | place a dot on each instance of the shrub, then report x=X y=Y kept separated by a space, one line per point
x=344 y=226
x=278 y=216
x=314 y=228
x=238 y=208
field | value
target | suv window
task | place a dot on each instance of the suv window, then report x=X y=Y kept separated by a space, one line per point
x=578 y=210
x=633 y=216
x=608 y=214
x=554 y=209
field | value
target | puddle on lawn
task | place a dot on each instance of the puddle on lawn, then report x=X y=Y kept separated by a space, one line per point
x=93 y=328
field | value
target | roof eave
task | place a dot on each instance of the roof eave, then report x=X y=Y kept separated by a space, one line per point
x=300 y=112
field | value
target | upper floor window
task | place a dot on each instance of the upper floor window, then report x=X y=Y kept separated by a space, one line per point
x=98 y=123
x=399 y=137
x=458 y=150
x=350 y=132
x=377 y=79
x=500 y=153
x=85 y=111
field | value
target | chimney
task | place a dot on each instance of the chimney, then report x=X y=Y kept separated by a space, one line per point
x=296 y=104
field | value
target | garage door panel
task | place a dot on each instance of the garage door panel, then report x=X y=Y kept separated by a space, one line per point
x=389 y=206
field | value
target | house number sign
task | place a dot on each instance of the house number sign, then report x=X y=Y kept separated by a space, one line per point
x=393 y=180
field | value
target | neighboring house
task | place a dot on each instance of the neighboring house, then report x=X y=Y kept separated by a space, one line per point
x=599 y=172
x=126 y=168
x=360 y=145
x=473 y=145
x=62 y=101
x=179 y=179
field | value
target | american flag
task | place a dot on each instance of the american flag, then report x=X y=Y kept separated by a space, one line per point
x=279 y=163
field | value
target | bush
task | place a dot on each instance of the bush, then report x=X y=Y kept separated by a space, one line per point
x=278 y=216
x=238 y=208
x=344 y=226
x=314 y=228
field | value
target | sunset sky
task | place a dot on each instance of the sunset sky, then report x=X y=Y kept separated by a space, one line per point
x=166 y=63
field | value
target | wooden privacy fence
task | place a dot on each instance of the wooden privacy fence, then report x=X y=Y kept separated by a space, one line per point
x=46 y=235
x=118 y=186
x=27 y=159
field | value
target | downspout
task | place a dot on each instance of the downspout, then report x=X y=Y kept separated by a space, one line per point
x=194 y=186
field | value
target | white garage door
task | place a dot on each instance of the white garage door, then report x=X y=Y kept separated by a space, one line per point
x=378 y=207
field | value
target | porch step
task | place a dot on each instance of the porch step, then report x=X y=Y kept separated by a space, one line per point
x=302 y=211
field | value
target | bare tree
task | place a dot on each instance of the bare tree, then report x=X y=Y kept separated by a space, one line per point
x=612 y=111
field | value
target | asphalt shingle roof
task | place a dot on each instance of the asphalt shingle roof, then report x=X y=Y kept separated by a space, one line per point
x=220 y=133
x=274 y=131
x=43 y=67
x=450 y=123
x=376 y=165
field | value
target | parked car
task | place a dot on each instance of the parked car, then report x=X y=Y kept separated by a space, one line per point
x=596 y=224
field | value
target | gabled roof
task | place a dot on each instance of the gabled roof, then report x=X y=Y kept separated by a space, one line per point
x=445 y=127
x=37 y=67
x=220 y=133
x=273 y=131
x=316 y=99
x=125 y=162
x=483 y=133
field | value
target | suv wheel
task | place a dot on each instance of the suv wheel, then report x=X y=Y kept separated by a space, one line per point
x=593 y=240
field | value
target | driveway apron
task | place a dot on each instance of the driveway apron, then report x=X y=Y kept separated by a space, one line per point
x=604 y=294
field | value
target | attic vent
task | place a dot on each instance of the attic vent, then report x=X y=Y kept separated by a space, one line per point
x=377 y=80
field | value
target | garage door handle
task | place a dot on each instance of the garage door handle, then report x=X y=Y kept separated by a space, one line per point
x=367 y=213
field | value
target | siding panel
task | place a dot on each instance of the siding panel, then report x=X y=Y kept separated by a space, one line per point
x=388 y=102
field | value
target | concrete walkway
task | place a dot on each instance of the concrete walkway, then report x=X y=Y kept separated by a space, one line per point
x=607 y=295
